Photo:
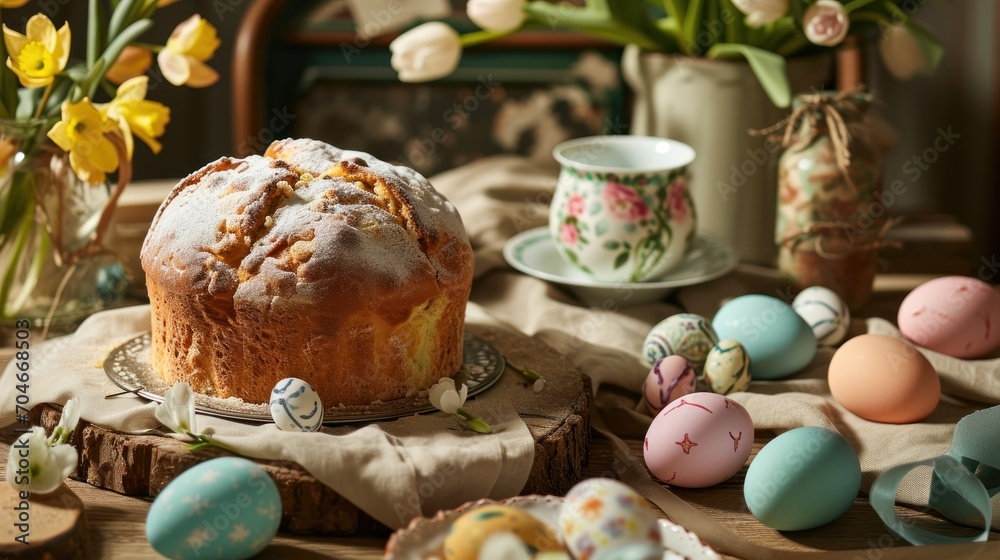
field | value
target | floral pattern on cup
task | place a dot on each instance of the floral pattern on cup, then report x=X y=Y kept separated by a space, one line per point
x=622 y=227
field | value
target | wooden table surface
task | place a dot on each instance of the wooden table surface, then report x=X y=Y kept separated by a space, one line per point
x=117 y=523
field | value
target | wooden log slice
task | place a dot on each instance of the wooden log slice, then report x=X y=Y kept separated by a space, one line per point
x=53 y=525
x=558 y=418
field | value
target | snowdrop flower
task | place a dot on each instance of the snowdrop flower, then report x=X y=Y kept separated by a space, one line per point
x=901 y=53
x=496 y=15
x=445 y=397
x=40 y=464
x=426 y=52
x=826 y=23
x=176 y=412
x=177 y=409
x=761 y=12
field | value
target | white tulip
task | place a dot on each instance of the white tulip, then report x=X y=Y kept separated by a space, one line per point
x=177 y=409
x=446 y=398
x=35 y=465
x=826 y=23
x=901 y=52
x=426 y=52
x=761 y=12
x=496 y=15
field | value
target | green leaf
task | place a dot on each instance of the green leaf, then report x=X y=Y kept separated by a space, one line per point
x=95 y=30
x=601 y=228
x=620 y=260
x=119 y=42
x=857 y=5
x=767 y=66
x=572 y=256
x=693 y=19
x=121 y=17
x=611 y=245
x=930 y=47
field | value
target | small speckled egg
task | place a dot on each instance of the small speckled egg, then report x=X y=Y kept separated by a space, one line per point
x=884 y=379
x=953 y=315
x=474 y=527
x=802 y=479
x=778 y=341
x=295 y=406
x=727 y=368
x=825 y=313
x=671 y=377
x=226 y=508
x=601 y=516
x=698 y=440
x=685 y=334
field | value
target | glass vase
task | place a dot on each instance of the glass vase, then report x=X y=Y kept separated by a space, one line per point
x=830 y=222
x=54 y=270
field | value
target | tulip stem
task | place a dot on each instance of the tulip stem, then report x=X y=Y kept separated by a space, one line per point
x=474 y=422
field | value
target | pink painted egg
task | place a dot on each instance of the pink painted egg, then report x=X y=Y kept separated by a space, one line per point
x=954 y=315
x=698 y=440
x=671 y=377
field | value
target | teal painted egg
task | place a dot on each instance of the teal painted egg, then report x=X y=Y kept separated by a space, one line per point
x=727 y=368
x=685 y=334
x=226 y=508
x=777 y=340
x=802 y=479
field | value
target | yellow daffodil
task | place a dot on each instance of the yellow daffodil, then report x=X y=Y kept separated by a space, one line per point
x=12 y=3
x=182 y=60
x=40 y=54
x=137 y=115
x=81 y=132
x=132 y=62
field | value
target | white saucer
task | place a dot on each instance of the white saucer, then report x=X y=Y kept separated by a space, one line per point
x=533 y=253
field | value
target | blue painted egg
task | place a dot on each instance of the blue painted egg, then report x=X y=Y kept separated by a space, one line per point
x=777 y=340
x=226 y=508
x=685 y=334
x=802 y=479
x=296 y=406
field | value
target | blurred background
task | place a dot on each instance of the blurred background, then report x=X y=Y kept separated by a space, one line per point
x=317 y=78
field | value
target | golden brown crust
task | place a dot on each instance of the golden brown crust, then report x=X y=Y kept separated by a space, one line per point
x=309 y=262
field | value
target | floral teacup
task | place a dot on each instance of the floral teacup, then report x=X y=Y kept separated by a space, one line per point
x=622 y=211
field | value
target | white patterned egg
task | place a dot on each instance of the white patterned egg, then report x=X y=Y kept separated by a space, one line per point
x=825 y=312
x=685 y=334
x=727 y=368
x=295 y=406
x=602 y=517
x=225 y=509
x=671 y=378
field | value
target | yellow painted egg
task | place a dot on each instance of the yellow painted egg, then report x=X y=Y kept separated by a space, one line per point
x=472 y=528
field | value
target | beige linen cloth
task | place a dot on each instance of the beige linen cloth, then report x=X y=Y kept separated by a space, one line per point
x=500 y=197
x=394 y=471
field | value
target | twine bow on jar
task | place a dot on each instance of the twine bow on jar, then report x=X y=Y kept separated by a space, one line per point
x=831 y=221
